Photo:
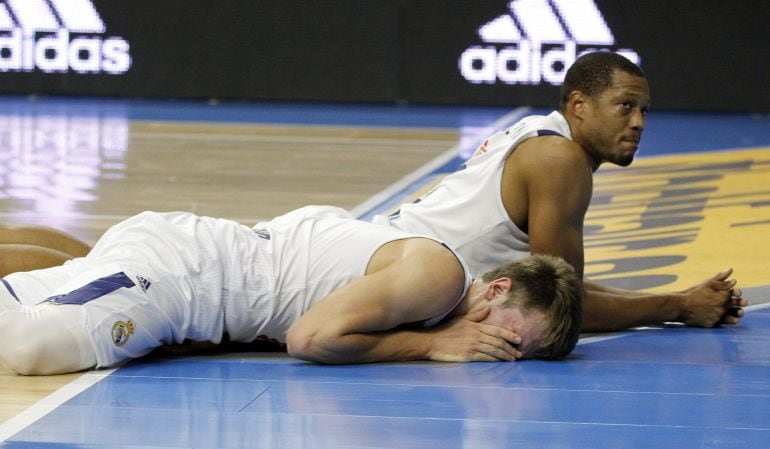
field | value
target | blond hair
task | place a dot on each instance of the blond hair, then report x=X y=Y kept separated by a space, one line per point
x=548 y=284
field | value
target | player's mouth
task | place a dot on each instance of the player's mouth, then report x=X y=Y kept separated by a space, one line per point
x=631 y=141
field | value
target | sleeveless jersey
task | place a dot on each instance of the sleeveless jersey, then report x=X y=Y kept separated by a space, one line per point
x=304 y=256
x=465 y=210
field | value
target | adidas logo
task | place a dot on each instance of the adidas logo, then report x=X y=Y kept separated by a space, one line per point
x=144 y=284
x=262 y=233
x=537 y=41
x=57 y=36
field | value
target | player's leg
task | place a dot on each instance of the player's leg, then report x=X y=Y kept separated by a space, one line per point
x=97 y=317
x=46 y=339
x=43 y=236
x=22 y=257
x=41 y=339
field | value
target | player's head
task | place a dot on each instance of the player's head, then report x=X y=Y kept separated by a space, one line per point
x=592 y=73
x=605 y=98
x=546 y=300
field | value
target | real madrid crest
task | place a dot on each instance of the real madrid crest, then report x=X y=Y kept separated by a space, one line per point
x=121 y=330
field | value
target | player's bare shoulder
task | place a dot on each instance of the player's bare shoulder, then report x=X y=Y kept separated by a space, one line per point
x=547 y=153
x=545 y=158
x=436 y=264
x=414 y=254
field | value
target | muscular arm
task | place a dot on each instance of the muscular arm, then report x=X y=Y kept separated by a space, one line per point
x=712 y=302
x=357 y=323
x=551 y=178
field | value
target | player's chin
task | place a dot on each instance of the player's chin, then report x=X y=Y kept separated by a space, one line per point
x=625 y=161
x=625 y=157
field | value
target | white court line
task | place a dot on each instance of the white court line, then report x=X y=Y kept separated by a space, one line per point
x=51 y=403
x=389 y=192
x=757 y=306
x=598 y=338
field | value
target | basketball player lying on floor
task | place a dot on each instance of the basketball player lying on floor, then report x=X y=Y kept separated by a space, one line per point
x=335 y=289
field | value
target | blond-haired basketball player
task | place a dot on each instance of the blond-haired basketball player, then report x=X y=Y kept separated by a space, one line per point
x=335 y=289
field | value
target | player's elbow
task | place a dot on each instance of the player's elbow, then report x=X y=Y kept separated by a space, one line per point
x=319 y=345
x=303 y=342
x=298 y=341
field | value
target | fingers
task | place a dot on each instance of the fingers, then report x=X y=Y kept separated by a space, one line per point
x=723 y=275
x=734 y=310
x=738 y=299
x=499 y=343
x=495 y=351
x=506 y=335
x=733 y=316
x=722 y=285
x=735 y=304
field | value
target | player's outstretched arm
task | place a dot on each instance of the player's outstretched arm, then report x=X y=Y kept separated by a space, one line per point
x=712 y=302
x=359 y=323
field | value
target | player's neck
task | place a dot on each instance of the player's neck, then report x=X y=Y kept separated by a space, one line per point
x=472 y=300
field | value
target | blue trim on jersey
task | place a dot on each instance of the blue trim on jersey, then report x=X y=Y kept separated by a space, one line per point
x=547 y=132
x=10 y=290
x=94 y=289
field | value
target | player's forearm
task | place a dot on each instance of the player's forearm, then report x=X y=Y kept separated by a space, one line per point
x=392 y=346
x=606 y=311
x=590 y=285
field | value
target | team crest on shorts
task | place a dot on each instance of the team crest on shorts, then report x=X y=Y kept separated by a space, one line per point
x=121 y=330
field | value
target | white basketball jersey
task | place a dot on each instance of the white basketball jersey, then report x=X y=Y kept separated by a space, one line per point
x=304 y=256
x=465 y=210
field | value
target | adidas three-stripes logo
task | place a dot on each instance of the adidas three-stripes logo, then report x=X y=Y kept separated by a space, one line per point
x=536 y=41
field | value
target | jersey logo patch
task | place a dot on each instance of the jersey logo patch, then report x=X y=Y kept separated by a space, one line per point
x=121 y=331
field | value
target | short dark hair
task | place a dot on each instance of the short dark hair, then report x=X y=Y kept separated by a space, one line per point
x=548 y=284
x=592 y=74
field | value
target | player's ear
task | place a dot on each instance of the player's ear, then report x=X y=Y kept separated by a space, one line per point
x=500 y=286
x=576 y=103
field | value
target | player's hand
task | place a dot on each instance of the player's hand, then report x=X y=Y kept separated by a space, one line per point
x=713 y=302
x=467 y=339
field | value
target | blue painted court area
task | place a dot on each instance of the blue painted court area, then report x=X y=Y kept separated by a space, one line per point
x=672 y=387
